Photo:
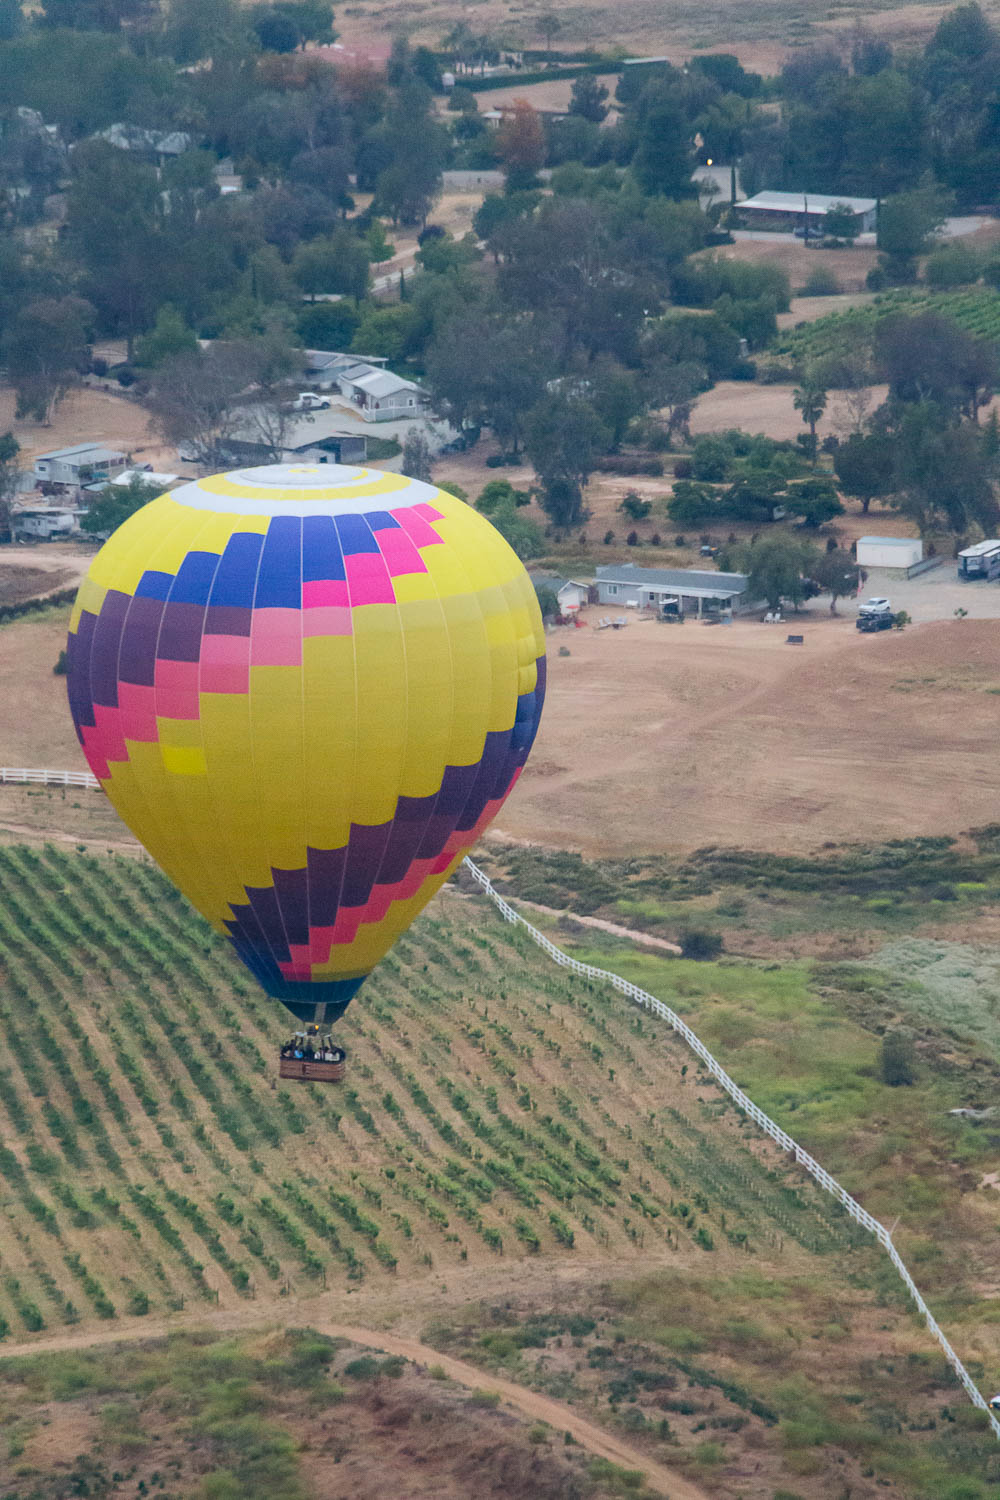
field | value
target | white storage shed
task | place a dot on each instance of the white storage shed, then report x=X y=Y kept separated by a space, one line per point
x=896 y=552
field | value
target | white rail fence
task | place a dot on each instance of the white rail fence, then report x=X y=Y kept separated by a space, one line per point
x=22 y=776
x=746 y=1104
x=15 y=775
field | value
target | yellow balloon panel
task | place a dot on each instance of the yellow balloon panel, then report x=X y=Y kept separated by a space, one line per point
x=307 y=691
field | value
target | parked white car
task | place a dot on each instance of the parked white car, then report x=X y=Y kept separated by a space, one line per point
x=309 y=401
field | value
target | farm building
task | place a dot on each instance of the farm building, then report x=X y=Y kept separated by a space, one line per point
x=571 y=593
x=693 y=591
x=72 y=468
x=898 y=553
x=791 y=210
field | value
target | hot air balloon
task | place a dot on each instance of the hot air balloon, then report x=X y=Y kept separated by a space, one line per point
x=307 y=691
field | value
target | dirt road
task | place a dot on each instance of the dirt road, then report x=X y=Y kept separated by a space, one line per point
x=535 y=1407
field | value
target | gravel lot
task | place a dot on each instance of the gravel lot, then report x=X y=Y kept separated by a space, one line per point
x=935 y=595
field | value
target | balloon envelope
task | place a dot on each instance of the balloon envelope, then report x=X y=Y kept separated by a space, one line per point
x=307 y=690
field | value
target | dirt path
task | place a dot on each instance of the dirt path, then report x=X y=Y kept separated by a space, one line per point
x=615 y=928
x=532 y=1405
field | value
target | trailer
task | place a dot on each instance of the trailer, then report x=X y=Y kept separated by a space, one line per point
x=980 y=561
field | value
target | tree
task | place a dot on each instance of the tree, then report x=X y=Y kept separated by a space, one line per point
x=927 y=357
x=193 y=398
x=497 y=494
x=692 y=503
x=115 y=503
x=417 y=146
x=549 y=26
x=587 y=98
x=943 y=475
x=779 y=567
x=841 y=222
x=336 y=263
x=564 y=437
x=276 y=31
x=417 y=456
x=865 y=467
x=11 y=20
x=815 y=500
x=519 y=531
x=521 y=146
x=810 y=400
x=10 y=471
x=663 y=158
x=115 y=225
x=486 y=368
x=328 y=325
x=906 y=223
x=46 y=352
x=837 y=576
x=170 y=336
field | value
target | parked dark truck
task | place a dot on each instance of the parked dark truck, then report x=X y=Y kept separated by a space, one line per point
x=875 y=614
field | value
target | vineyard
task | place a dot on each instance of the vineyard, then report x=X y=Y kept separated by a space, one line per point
x=974 y=309
x=495 y=1107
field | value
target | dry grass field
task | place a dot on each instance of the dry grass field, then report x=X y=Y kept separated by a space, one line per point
x=668 y=738
x=760 y=34
x=659 y=738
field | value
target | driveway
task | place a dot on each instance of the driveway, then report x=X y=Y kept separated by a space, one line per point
x=934 y=595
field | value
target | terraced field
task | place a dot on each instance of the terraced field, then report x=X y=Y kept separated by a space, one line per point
x=494 y=1108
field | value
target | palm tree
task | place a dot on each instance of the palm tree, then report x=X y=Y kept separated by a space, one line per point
x=810 y=400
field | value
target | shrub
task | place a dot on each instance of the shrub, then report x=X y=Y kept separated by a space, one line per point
x=632 y=540
x=697 y=943
x=897 y=1059
x=952 y=265
x=488 y=1400
x=683 y=469
x=634 y=506
x=61 y=667
x=821 y=282
x=609 y=537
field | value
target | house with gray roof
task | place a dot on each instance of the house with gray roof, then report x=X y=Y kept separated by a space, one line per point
x=79 y=465
x=681 y=590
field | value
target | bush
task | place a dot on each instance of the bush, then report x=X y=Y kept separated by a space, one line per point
x=125 y=375
x=877 y=279
x=952 y=265
x=98 y=366
x=821 y=282
x=635 y=507
x=897 y=1059
x=683 y=469
x=609 y=537
x=697 y=943
x=62 y=666
x=632 y=540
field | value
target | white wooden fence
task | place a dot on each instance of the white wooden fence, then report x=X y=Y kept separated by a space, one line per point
x=746 y=1104
x=17 y=775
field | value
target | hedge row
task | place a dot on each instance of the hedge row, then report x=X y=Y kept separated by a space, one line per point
x=32 y=606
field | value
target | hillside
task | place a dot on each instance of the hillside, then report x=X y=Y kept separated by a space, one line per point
x=518 y=1163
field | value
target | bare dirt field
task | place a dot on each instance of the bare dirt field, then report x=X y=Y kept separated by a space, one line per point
x=87 y=415
x=668 y=738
